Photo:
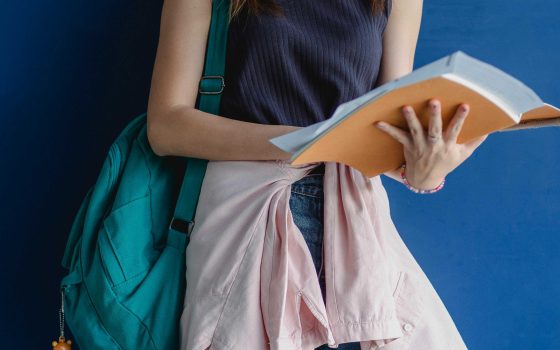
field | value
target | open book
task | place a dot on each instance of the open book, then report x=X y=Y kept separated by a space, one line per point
x=498 y=102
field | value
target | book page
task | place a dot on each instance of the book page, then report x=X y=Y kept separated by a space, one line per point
x=507 y=91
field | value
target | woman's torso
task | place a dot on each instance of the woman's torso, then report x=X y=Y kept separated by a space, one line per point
x=295 y=70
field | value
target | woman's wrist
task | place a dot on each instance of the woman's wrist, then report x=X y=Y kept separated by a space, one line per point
x=426 y=187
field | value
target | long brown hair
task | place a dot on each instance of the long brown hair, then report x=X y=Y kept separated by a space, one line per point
x=258 y=6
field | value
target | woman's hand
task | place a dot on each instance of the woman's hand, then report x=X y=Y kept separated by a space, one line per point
x=431 y=155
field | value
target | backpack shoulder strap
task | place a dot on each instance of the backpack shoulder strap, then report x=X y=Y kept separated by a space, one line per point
x=209 y=96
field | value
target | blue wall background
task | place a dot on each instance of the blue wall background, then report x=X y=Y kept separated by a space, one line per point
x=72 y=74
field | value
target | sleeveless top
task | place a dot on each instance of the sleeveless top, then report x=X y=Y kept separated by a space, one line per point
x=296 y=69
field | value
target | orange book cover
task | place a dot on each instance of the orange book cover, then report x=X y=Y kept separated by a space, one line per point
x=498 y=102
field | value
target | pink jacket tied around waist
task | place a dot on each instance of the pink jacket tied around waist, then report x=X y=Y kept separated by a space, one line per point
x=251 y=281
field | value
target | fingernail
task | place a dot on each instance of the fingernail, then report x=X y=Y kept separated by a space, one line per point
x=381 y=124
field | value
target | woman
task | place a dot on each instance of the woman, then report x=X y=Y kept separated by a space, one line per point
x=290 y=64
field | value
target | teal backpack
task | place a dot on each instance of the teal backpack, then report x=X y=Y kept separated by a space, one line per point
x=125 y=253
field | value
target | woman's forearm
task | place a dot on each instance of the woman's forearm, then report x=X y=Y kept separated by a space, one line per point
x=190 y=132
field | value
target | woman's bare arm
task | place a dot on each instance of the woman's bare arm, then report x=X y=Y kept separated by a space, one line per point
x=399 y=46
x=174 y=125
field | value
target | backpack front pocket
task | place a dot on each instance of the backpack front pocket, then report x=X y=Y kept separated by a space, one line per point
x=126 y=242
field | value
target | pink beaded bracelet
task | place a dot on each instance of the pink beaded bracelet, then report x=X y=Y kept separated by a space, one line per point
x=417 y=190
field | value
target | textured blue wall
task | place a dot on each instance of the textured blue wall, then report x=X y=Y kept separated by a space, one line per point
x=72 y=74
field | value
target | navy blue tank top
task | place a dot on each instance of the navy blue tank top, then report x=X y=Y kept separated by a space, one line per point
x=296 y=69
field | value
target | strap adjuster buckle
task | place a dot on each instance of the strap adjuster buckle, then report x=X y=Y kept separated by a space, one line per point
x=209 y=86
x=180 y=225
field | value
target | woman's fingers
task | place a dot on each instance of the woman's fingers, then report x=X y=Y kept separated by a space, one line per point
x=434 y=128
x=397 y=133
x=415 y=127
x=454 y=127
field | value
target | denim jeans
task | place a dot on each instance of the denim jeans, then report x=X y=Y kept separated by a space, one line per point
x=306 y=204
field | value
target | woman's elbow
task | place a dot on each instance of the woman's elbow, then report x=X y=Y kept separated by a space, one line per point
x=152 y=133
